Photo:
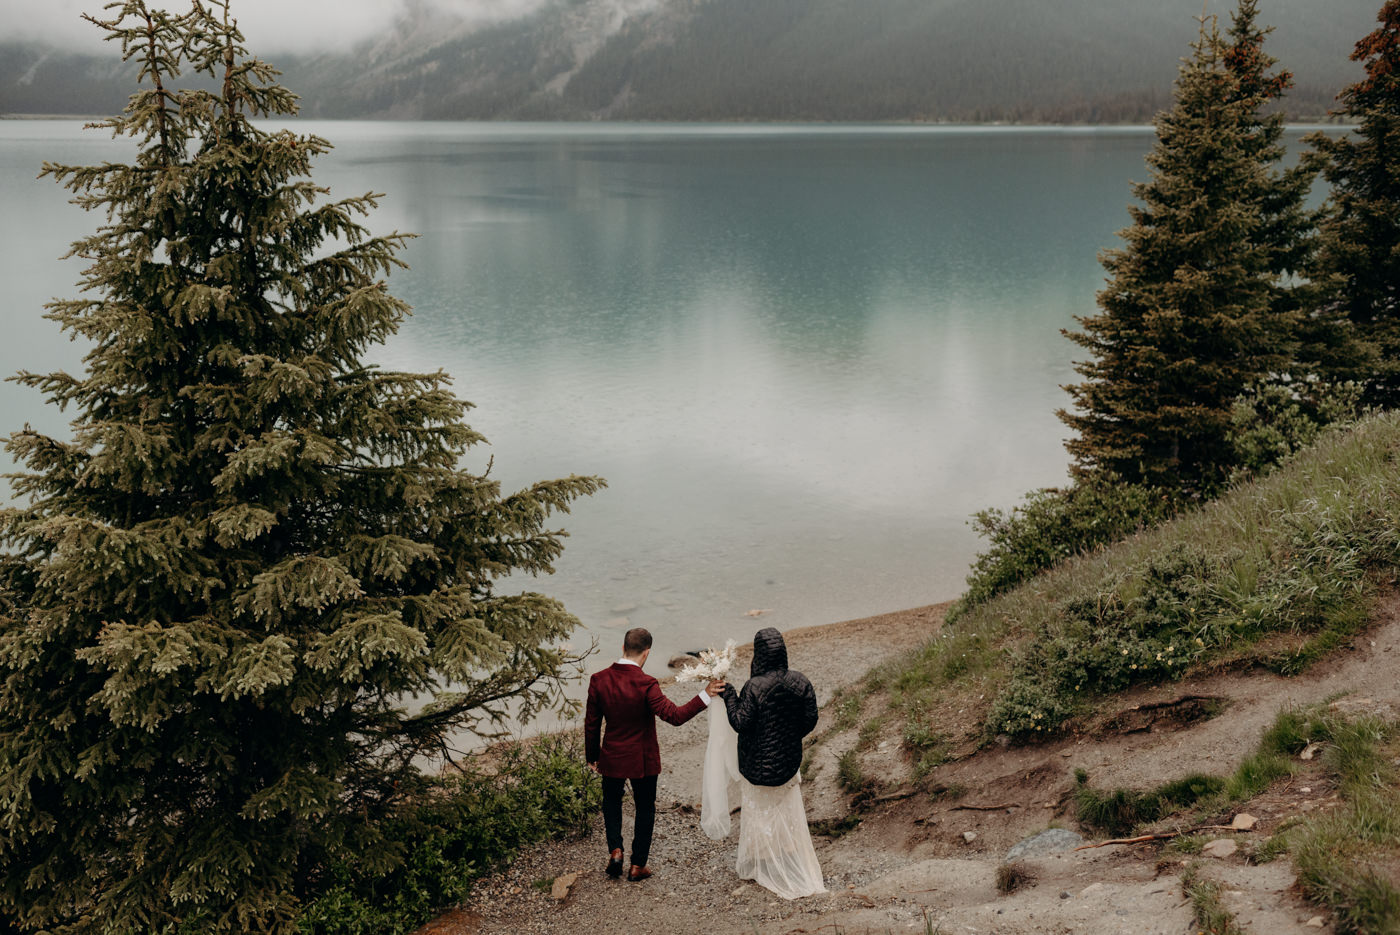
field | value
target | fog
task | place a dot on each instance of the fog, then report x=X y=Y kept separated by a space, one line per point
x=268 y=25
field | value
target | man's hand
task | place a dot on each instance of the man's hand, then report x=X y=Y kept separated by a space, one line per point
x=715 y=687
x=594 y=766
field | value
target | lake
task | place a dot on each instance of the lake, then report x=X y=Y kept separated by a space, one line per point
x=801 y=356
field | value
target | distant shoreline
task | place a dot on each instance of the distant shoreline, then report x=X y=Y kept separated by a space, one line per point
x=1308 y=123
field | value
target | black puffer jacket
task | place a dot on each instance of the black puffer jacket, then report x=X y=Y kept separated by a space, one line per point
x=776 y=709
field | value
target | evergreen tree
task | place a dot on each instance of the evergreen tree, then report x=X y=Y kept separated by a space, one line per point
x=256 y=586
x=1192 y=314
x=1358 y=272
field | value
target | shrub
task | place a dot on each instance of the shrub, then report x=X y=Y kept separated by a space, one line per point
x=1054 y=524
x=464 y=826
x=1269 y=423
x=1120 y=810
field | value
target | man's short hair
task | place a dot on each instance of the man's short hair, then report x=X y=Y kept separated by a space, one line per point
x=636 y=642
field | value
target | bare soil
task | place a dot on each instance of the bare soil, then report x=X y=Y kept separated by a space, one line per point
x=909 y=866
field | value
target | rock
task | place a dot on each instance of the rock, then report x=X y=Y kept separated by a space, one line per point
x=1054 y=841
x=562 y=884
x=1220 y=848
x=1310 y=751
x=1306 y=790
x=1316 y=922
x=758 y=613
x=1064 y=894
x=739 y=891
x=1090 y=890
x=624 y=610
x=680 y=661
x=1244 y=822
x=969 y=836
x=618 y=622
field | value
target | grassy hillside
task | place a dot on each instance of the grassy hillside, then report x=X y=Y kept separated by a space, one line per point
x=1278 y=572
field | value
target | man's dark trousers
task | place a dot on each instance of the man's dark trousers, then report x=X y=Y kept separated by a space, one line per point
x=644 y=797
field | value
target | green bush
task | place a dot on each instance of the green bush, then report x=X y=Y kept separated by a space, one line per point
x=1053 y=524
x=1269 y=423
x=1148 y=621
x=461 y=828
x=1120 y=810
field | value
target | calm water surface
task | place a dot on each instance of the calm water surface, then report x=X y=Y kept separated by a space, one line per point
x=801 y=357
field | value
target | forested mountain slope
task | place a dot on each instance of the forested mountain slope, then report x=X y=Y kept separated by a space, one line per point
x=954 y=60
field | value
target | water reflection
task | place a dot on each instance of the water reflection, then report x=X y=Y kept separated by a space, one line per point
x=800 y=356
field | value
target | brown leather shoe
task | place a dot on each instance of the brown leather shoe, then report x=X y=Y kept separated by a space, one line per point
x=614 y=869
x=637 y=874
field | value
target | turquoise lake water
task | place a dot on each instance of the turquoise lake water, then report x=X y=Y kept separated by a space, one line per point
x=801 y=356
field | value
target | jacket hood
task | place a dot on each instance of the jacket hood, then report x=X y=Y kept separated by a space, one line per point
x=769 y=652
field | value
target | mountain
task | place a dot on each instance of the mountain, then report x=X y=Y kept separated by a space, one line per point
x=926 y=60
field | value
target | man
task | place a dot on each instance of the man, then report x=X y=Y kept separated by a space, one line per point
x=631 y=701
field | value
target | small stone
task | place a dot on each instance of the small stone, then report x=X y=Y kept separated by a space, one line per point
x=562 y=884
x=1316 y=922
x=969 y=836
x=1066 y=753
x=757 y=613
x=1064 y=894
x=1310 y=751
x=1220 y=848
x=1244 y=822
x=738 y=891
x=1306 y=789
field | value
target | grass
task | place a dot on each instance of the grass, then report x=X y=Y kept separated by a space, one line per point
x=1212 y=917
x=1013 y=876
x=835 y=827
x=1121 y=810
x=1347 y=859
x=1278 y=572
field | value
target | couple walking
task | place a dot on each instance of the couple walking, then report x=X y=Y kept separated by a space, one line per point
x=775 y=710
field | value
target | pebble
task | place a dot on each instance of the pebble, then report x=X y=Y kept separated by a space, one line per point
x=969 y=836
x=1220 y=848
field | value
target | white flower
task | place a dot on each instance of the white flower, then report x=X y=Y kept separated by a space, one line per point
x=712 y=664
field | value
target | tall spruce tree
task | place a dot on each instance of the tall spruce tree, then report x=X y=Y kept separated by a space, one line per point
x=255 y=586
x=1358 y=264
x=1191 y=315
x=1285 y=223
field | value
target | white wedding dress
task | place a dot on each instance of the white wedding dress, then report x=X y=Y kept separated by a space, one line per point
x=775 y=847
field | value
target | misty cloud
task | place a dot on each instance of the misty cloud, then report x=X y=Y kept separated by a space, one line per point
x=268 y=25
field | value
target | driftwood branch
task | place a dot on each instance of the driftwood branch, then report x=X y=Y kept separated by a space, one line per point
x=1137 y=840
x=896 y=796
x=1163 y=835
x=986 y=808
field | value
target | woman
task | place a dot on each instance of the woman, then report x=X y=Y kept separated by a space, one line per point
x=775 y=710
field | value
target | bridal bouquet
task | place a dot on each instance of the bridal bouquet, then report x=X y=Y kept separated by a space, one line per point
x=712 y=664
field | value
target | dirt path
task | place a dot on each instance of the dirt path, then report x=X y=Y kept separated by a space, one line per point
x=910 y=867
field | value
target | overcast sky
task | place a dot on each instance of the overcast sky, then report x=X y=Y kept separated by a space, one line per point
x=268 y=25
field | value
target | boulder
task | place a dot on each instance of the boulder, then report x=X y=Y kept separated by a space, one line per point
x=1053 y=841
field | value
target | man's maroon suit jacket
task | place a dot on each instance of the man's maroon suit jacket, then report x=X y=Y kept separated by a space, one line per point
x=630 y=701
